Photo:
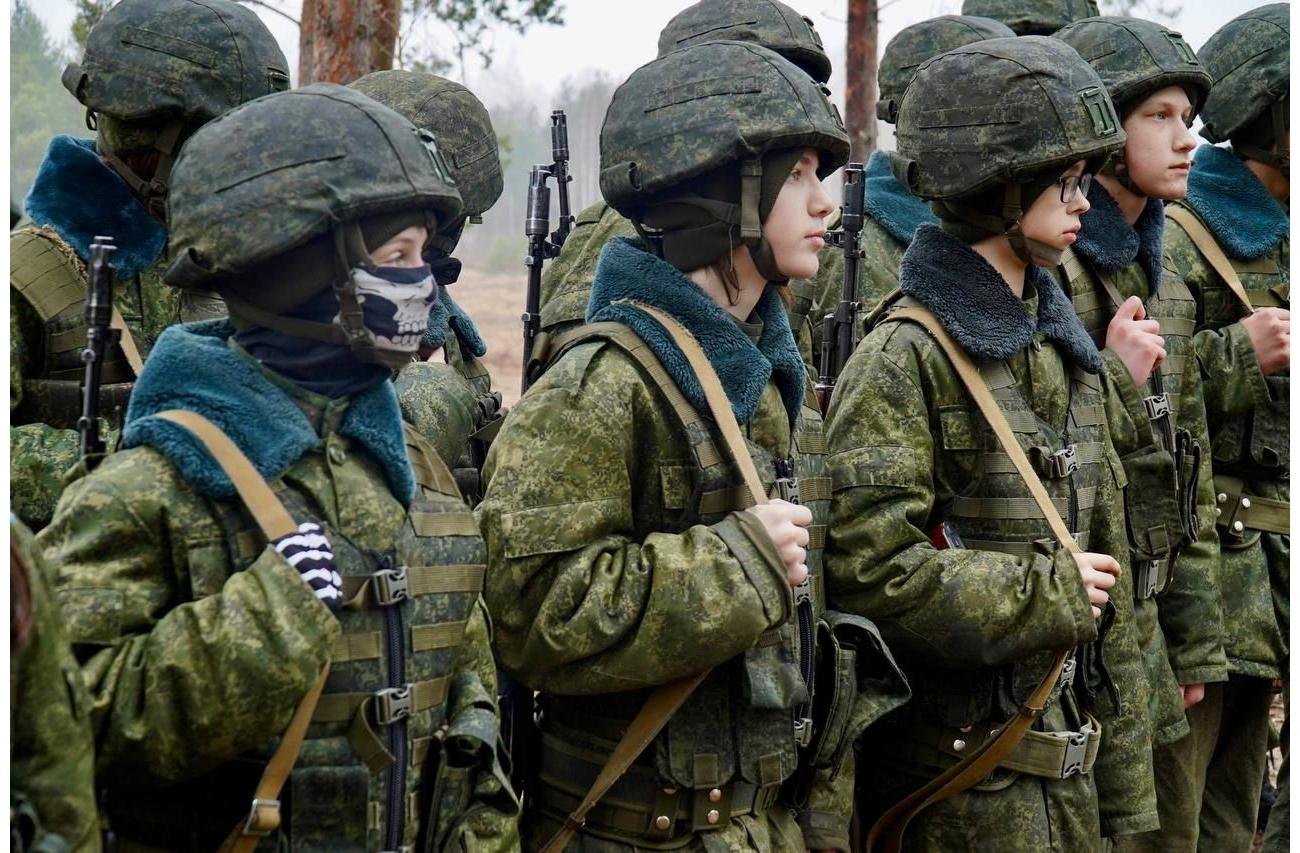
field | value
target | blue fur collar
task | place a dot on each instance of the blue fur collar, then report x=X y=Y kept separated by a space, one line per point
x=627 y=271
x=1245 y=220
x=890 y=204
x=79 y=197
x=975 y=305
x=1109 y=243
x=193 y=367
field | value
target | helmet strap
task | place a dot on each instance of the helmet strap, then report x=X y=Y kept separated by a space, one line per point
x=751 y=225
x=152 y=193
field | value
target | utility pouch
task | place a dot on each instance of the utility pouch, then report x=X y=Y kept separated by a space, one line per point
x=1187 y=457
x=858 y=682
x=1270 y=444
x=1151 y=506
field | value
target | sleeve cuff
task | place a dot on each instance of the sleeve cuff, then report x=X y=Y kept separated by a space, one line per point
x=1202 y=674
x=1065 y=567
x=1130 y=398
x=747 y=539
x=824 y=831
x=1247 y=361
x=1113 y=827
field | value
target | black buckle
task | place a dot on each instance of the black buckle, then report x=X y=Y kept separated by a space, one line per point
x=392 y=704
x=391 y=586
x=1157 y=406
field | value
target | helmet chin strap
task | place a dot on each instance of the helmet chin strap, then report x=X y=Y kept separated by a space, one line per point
x=152 y=192
x=751 y=227
x=1007 y=223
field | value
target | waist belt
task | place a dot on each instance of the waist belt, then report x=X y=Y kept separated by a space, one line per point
x=1149 y=577
x=1238 y=511
x=1053 y=755
x=639 y=804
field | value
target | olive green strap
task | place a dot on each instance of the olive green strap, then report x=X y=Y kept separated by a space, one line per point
x=887 y=833
x=1209 y=247
x=275 y=522
x=666 y=699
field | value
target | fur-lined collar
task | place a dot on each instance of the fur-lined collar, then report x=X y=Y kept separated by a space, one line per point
x=626 y=271
x=193 y=367
x=1245 y=220
x=1109 y=243
x=445 y=316
x=79 y=197
x=977 y=308
x=889 y=203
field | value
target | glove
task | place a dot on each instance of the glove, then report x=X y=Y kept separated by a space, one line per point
x=309 y=552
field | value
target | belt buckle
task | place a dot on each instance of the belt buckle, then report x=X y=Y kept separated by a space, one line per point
x=1157 y=406
x=391 y=586
x=251 y=822
x=392 y=704
x=1076 y=752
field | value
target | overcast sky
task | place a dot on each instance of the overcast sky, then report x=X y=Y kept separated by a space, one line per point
x=617 y=36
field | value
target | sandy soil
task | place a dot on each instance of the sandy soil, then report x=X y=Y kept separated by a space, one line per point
x=495 y=302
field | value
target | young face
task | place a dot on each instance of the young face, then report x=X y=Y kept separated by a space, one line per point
x=404 y=249
x=1051 y=221
x=794 y=228
x=1158 y=154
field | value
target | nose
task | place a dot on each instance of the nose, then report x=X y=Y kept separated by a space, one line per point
x=820 y=204
x=1079 y=205
x=1186 y=141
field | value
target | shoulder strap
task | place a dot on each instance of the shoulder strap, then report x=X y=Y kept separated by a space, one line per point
x=887 y=833
x=275 y=521
x=1209 y=247
x=666 y=699
x=127 y=342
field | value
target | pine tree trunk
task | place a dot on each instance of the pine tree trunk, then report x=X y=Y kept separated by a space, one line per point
x=341 y=40
x=860 y=88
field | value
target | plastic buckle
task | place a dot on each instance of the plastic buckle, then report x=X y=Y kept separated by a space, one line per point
x=392 y=704
x=254 y=826
x=1147 y=580
x=1076 y=752
x=391 y=586
x=803 y=592
x=1065 y=461
x=1157 y=406
x=1067 y=673
x=803 y=731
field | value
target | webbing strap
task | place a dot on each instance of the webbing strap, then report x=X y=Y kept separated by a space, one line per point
x=360 y=592
x=275 y=521
x=1209 y=247
x=443 y=523
x=341 y=707
x=887 y=833
x=354 y=647
x=440 y=635
x=127 y=342
x=666 y=699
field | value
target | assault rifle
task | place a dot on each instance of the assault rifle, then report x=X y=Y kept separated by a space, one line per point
x=100 y=336
x=538 y=221
x=837 y=328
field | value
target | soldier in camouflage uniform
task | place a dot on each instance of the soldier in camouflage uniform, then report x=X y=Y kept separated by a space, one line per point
x=52 y=756
x=933 y=533
x=452 y=403
x=1032 y=17
x=1237 y=209
x=1117 y=267
x=308 y=212
x=620 y=556
x=566 y=283
x=890 y=213
x=154 y=71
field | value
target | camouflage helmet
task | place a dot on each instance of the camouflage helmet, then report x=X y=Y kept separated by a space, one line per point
x=170 y=65
x=1134 y=58
x=770 y=23
x=456 y=118
x=919 y=42
x=1248 y=59
x=297 y=171
x=1033 y=17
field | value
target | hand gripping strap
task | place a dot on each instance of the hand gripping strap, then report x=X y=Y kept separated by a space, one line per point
x=1209 y=247
x=275 y=521
x=666 y=699
x=886 y=835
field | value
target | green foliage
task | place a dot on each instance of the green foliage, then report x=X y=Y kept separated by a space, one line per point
x=39 y=106
x=88 y=14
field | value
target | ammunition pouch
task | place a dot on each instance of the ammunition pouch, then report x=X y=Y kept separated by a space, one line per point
x=1153 y=516
x=1257 y=445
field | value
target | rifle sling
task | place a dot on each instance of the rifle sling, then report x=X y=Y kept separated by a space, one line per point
x=275 y=522
x=886 y=836
x=1209 y=247
x=127 y=342
x=666 y=699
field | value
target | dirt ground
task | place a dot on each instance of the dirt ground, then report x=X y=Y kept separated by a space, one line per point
x=495 y=302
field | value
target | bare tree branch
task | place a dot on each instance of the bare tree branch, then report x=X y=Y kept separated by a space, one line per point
x=267 y=6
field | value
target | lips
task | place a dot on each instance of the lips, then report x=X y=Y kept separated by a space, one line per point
x=818 y=237
x=1181 y=167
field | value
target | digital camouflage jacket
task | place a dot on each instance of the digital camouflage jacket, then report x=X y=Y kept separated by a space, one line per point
x=47 y=331
x=1179 y=623
x=1248 y=413
x=198 y=640
x=52 y=755
x=971 y=623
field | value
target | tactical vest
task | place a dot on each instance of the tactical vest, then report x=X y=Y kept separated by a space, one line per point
x=736 y=739
x=1255 y=446
x=382 y=718
x=995 y=512
x=1160 y=499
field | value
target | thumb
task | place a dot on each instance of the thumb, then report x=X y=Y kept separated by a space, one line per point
x=1132 y=309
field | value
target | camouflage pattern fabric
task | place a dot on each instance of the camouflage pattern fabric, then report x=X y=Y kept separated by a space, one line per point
x=1032 y=17
x=52 y=756
x=1249 y=59
x=915 y=44
x=770 y=23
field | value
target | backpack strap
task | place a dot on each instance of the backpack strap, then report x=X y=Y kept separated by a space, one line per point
x=666 y=699
x=887 y=833
x=275 y=521
x=1209 y=247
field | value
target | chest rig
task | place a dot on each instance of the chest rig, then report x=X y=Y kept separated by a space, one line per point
x=736 y=739
x=1160 y=497
x=1255 y=447
x=364 y=770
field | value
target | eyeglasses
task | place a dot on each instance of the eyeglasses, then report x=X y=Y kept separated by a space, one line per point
x=1073 y=186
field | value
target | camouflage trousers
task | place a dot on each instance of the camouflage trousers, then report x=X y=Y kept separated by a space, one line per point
x=1208 y=783
x=774 y=832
